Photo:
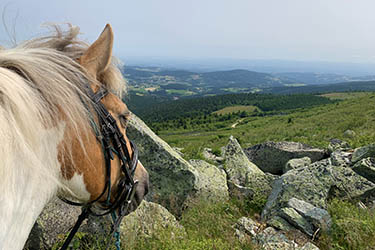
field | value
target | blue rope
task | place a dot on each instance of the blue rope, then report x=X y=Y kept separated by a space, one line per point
x=117 y=233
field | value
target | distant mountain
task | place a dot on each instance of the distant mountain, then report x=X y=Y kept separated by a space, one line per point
x=154 y=80
x=242 y=79
x=318 y=78
x=336 y=87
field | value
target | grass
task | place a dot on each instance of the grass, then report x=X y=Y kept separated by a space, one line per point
x=182 y=92
x=314 y=126
x=207 y=226
x=352 y=227
x=234 y=109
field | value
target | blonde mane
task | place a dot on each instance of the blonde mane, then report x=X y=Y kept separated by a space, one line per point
x=41 y=83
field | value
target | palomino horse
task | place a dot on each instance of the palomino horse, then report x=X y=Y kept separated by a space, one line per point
x=51 y=140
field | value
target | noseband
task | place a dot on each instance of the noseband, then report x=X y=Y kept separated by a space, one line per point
x=112 y=142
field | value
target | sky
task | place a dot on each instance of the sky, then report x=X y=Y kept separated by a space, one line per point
x=308 y=30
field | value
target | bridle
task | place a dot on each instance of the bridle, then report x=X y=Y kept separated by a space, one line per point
x=112 y=142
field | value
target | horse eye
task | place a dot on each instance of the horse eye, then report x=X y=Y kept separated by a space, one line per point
x=123 y=120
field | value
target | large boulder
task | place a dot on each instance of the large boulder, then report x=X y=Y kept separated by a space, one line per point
x=172 y=179
x=271 y=157
x=245 y=179
x=314 y=185
x=213 y=181
x=148 y=220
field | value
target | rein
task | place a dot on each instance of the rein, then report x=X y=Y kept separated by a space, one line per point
x=113 y=142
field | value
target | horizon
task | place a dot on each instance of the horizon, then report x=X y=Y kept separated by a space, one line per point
x=333 y=31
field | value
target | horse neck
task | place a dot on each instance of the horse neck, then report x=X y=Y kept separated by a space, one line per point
x=29 y=182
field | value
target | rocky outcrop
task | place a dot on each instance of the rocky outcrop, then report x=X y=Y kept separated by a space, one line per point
x=311 y=187
x=213 y=181
x=172 y=179
x=271 y=157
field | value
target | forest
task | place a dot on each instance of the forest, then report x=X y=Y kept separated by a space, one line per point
x=161 y=114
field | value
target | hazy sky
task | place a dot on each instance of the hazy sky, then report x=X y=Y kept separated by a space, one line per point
x=332 y=30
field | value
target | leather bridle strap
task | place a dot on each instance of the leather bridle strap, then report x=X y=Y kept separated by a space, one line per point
x=112 y=141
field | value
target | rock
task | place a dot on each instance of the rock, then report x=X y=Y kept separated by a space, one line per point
x=280 y=223
x=172 y=179
x=271 y=239
x=309 y=246
x=245 y=179
x=317 y=218
x=315 y=184
x=271 y=157
x=209 y=155
x=213 y=181
x=56 y=220
x=363 y=152
x=296 y=163
x=297 y=220
x=247 y=225
x=237 y=165
x=349 y=133
x=341 y=158
x=148 y=220
x=366 y=168
x=337 y=144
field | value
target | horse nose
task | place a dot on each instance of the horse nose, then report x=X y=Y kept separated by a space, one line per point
x=143 y=178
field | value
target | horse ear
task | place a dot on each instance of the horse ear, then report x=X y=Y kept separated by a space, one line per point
x=98 y=56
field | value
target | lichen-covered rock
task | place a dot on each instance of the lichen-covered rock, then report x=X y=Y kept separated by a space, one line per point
x=271 y=157
x=338 y=145
x=297 y=220
x=56 y=220
x=341 y=158
x=148 y=220
x=244 y=178
x=315 y=184
x=349 y=133
x=305 y=216
x=363 y=152
x=280 y=223
x=237 y=165
x=213 y=181
x=309 y=246
x=247 y=225
x=318 y=217
x=366 y=168
x=172 y=179
x=271 y=239
x=296 y=163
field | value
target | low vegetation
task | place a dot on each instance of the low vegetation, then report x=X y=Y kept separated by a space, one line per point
x=352 y=227
x=314 y=126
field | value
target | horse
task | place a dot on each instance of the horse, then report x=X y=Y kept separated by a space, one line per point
x=51 y=133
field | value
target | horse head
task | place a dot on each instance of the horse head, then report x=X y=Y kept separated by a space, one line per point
x=86 y=175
